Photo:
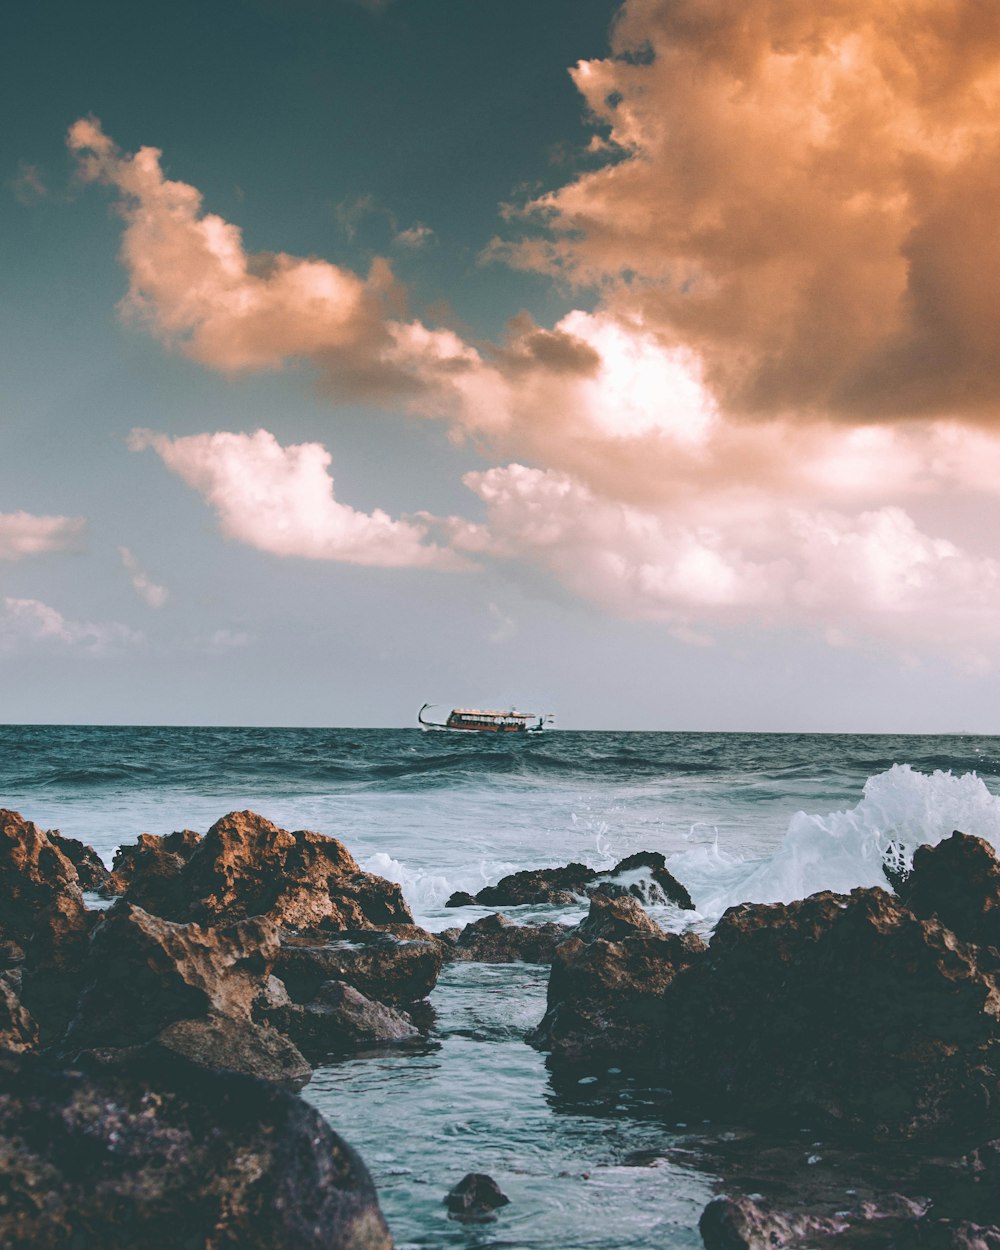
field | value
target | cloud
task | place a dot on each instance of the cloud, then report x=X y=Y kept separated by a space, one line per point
x=801 y=195
x=504 y=626
x=223 y=640
x=23 y=534
x=415 y=237
x=281 y=500
x=28 y=184
x=29 y=624
x=147 y=590
x=846 y=578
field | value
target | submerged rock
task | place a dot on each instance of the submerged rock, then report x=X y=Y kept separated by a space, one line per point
x=498 y=940
x=656 y=888
x=475 y=1197
x=161 y=1155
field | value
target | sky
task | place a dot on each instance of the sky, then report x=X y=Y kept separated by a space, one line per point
x=636 y=362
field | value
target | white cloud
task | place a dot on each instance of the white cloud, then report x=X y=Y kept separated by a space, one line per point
x=149 y=591
x=27 y=624
x=281 y=500
x=23 y=534
x=415 y=237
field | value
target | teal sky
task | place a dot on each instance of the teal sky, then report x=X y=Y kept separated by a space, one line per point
x=628 y=581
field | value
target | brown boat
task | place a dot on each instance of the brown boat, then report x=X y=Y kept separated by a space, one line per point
x=479 y=720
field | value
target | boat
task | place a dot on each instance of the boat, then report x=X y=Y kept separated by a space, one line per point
x=480 y=720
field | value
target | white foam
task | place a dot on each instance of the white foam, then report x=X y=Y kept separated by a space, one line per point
x=900 y=810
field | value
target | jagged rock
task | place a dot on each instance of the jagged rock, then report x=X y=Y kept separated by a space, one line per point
x=401 y=966
x=10 y=954
x=958 y=881
x=54 y=963
x=538 y=885
x=743 y=1224
x=18 y=1031
x=608 y=982
x=497 y=939
x=659 y=887
x=146 y=974
x=162 y=1155
x=340 y=1019
x=150 y=870
x=461 y=898
x=246 y=866
x=475 y=1197
x=643 y=875
x=90 y=870
x=34 y=872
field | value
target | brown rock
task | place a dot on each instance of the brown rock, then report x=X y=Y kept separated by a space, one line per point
x=958 y=882
x=54 y=964
x=159 y=1155
x=18 y=1031
x=34 y=872
x=150 y=870
x=341 y=1019
x=90 y=870
x=497 y=940
x=656 y=888
x=401 y=966
x=538 y=885
x=475 y=1197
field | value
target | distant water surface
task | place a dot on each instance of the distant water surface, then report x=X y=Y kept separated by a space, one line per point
x=762 y=817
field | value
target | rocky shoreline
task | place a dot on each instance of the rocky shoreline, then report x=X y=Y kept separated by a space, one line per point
x=150 y=1051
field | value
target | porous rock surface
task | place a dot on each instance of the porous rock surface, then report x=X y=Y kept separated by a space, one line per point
x=90 y=870
x=847 y=1010
x=34 y=872
x=498 y=940
x=161 y=1155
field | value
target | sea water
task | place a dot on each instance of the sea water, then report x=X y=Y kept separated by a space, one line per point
x=739 y=816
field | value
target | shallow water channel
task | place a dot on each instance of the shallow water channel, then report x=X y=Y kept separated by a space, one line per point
x=583 y=1167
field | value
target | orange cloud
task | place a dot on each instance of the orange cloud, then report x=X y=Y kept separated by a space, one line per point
x=801 y=195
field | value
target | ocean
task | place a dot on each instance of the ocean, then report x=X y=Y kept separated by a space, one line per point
x=740 y=817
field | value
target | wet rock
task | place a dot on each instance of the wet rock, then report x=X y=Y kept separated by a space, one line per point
x=608 y=982
x=246 y=866
x=146 y=975
x=161 y=1155
x=149 y=869
x=958 y=882
x=461 y=898
x=475 y=1197
x=18 y=1031
x=34 y=872
x=538 y=885
x=341 y=1019
x=647 y=879
x=401 y=966
x=90 y=870
x=744 y=1224
x=498 y=940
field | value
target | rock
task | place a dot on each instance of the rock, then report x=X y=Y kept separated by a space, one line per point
x=341 y=1019
x=18 y=1031
x=743 y=1224
x=475 y=1197
x=659 y=887
x=538 y=885
x=608 y=981
x=144 y=975
x=497 y=940
x=161 y=1155
x=54 y=963
x=34 y=872
x=90 y=870
x=150 y=870
x=461 y=898
x=246 y=866
x=401 y=966
x=957 y=881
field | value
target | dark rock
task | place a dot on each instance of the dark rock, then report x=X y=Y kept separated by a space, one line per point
x=401 y=966
x=54 y=964
x=538 y=885
x=461 y=898
x=246 y=866
x=659 y=887
x=163 y=1156
x=497 y=940
x=475 y=1197
x=18 y=1031
x=90 y=870
x=608 y=982
x=341 y=1019
x=34 y=872
x=149 y=870
x=744 y=1224
x=958 y=882
x=10 y=954
x=145 y=975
